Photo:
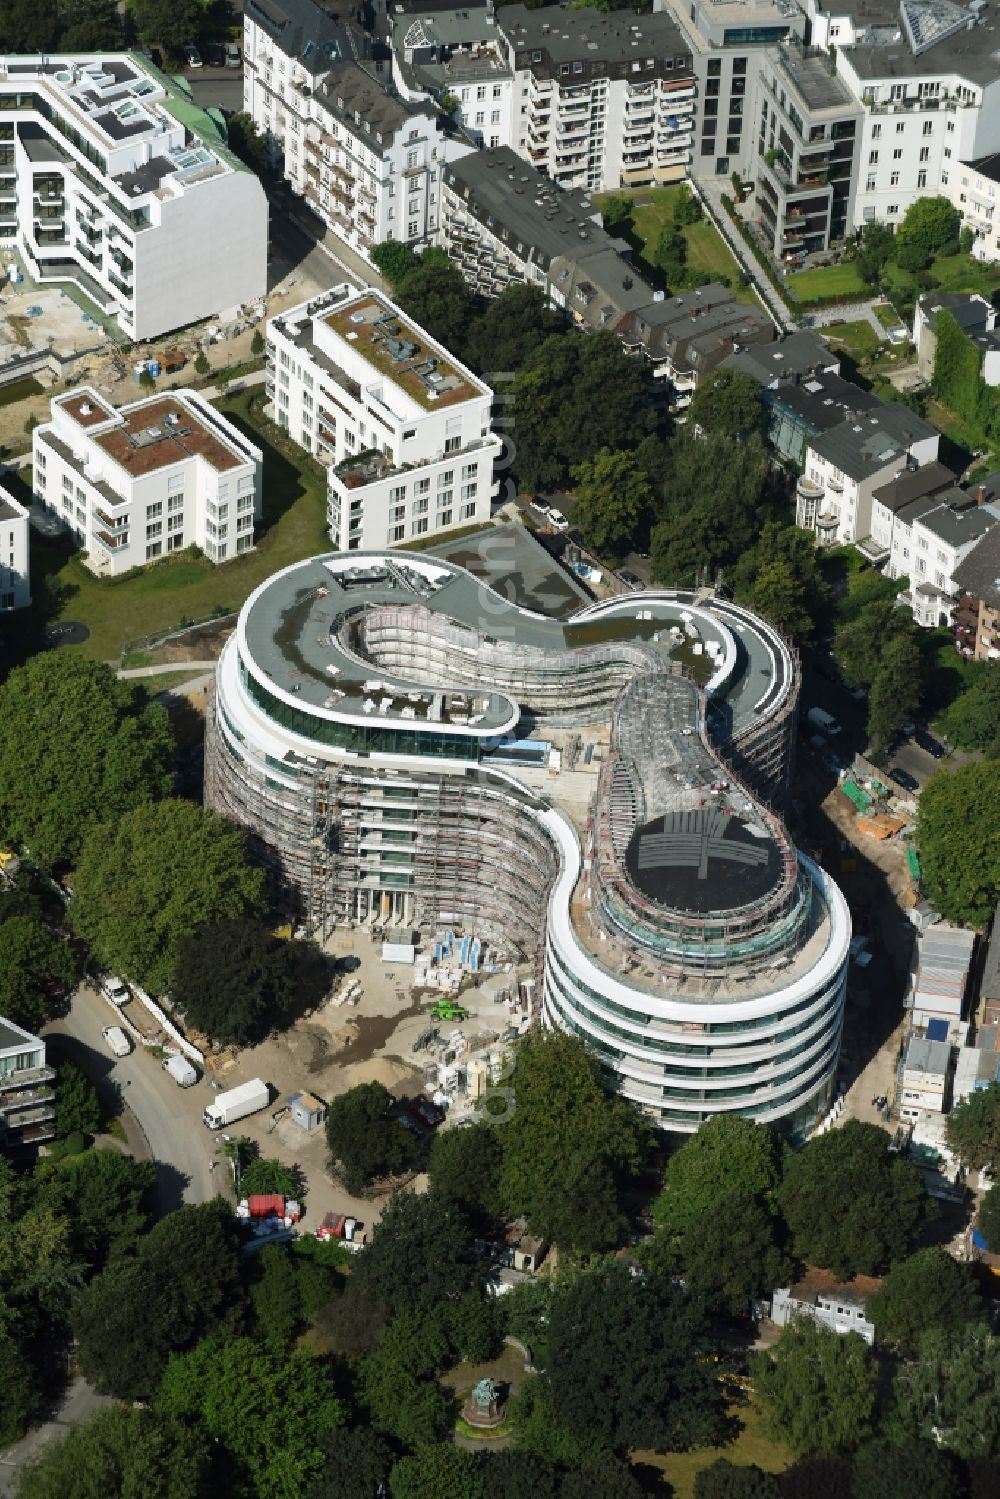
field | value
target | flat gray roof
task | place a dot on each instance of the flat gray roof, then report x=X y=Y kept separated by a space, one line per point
x=568 y=35
x=968 y=52
x=812 y=75
x=536 y=212
x=928 y=1056
x=293 y=623
x=864 y=445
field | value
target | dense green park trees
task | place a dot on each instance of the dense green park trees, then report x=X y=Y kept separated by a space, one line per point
x=163 y=871
x=234 y=980
x=818 y=1388
x=727 y=1154
x=107 y=751
x=928 y=1290
x=34 y=962
x=568 y=1147
x=139 y=1311
x=959 y=850
x=851 y=1204
x=365 y=1142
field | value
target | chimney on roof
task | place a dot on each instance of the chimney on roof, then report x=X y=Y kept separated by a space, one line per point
x=982 y=494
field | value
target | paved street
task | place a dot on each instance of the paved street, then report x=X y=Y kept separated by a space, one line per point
x=169 y=1117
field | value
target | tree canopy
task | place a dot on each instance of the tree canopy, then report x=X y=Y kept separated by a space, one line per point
x=510 y=328
x=167 y=23
x=608 y=410
x=948 y=1394
x=928 y=1290
x=731 y=1252
x=568 y=1146
x=929 y=227
x=988 y=1219
x=717 y=501
x=959 y=850
x=270 y=1410
x=78 y=1108
x=162 y=872
x=781 y=578
x=973 y=1128
x=182 y=1282
x=973 y=719
x=364 y=1140
x=613 y=498
x=726 y=1154
x=895 y=1470
x=726 y=1480
x=132 y=1454
x=465 y=1166
x=852 y=1205
x=106 y=751
x=235 y=981
x=32 y=960
x=420 y=1253
x=623 y=1366
x=818 y=1388
x=727 y=403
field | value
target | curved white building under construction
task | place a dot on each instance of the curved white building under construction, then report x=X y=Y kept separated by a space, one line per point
x=403 y=744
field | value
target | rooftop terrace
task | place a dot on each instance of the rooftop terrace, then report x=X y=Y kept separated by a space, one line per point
x=155 y=434
x=397 y=348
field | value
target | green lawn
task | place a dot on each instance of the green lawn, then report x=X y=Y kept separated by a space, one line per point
x=652 y=208
x=859 y=339
x=828 y=281
x=192 y=588
x=886 y=314
x=949 y=273
x=751 y=1446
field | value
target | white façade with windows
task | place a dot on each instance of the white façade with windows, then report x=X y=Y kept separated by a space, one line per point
x=143 y=481
x=15 y=585
x=402 y=426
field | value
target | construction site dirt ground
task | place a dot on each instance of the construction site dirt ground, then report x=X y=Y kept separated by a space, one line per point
x=335 y=1048
x=874 y=878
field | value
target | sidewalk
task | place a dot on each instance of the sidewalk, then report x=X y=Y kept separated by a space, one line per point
x=711 y=190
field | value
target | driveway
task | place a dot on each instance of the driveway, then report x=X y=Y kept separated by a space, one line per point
x=169 y=1117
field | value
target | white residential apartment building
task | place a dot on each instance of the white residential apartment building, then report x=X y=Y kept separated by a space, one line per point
x=929 y=544
x=402 y=426
x=114 y=183
x=927 y=75
x=846 y=464
x=15 y=571
x=143 y=481
x=289 y=46
x=457 y=56
x=975 y=189
x=600 y=101
x=366 y=161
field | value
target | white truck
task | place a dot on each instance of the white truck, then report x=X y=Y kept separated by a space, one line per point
x=180 y=1069
x=226 y=1108
x=825 y=722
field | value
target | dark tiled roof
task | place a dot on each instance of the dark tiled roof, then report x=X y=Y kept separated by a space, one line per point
x=979 y=575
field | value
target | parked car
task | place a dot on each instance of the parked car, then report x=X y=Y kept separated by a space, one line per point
x=929 y=744
x=233 y=55
x=117 y=1040
x=904 y=779
x=632 y=580
x=898 y=334
x=113 y=988
x=193 y=57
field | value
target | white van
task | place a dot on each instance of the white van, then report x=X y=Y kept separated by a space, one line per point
x=180 y=1069
x=117 y=1040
